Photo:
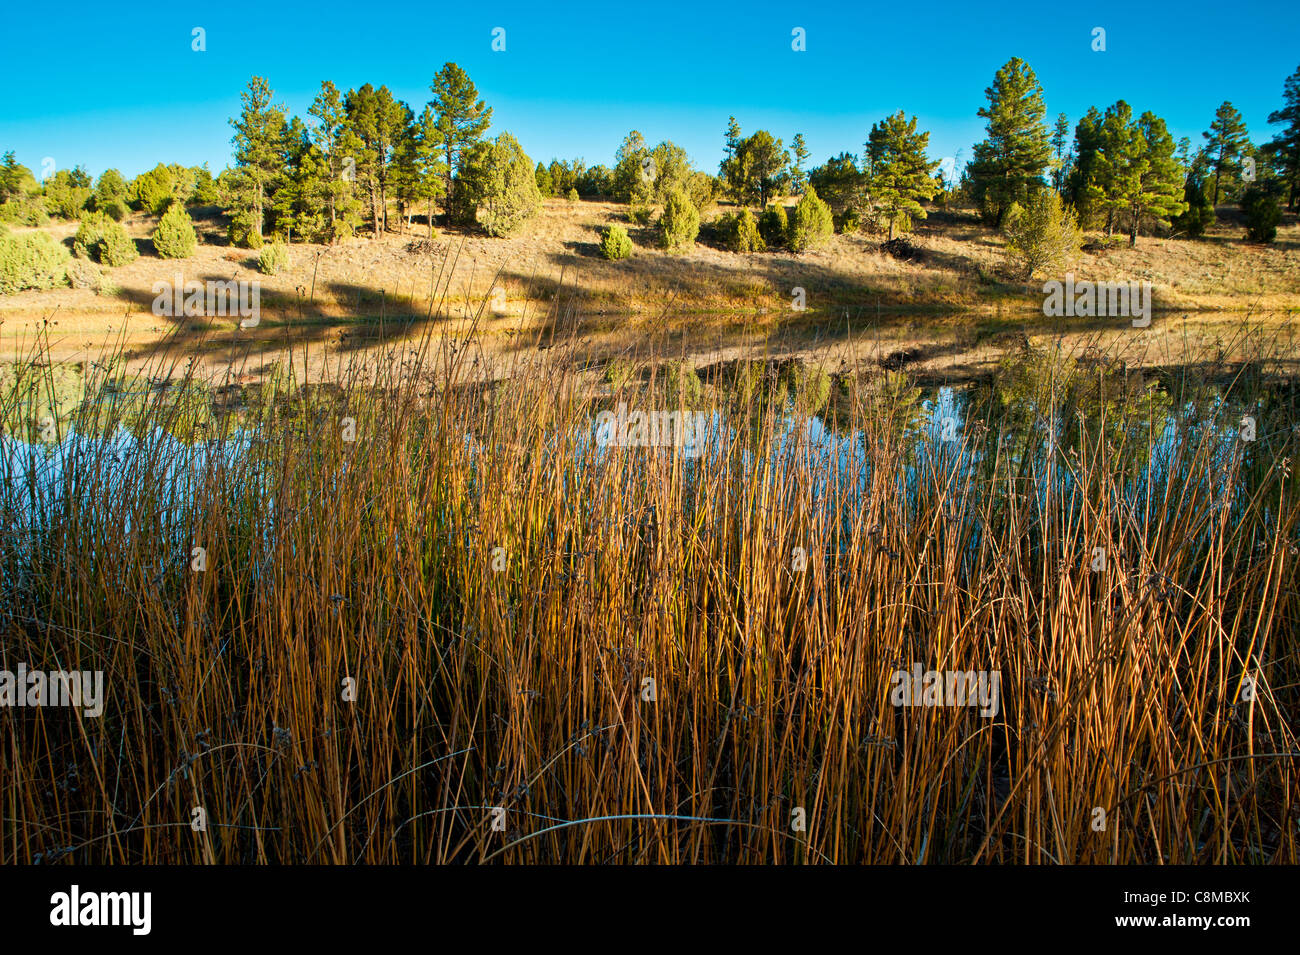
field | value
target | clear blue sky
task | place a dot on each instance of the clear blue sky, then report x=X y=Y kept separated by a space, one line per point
x=116 y=85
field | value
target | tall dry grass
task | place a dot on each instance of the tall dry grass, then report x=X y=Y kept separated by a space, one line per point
x=499 y=590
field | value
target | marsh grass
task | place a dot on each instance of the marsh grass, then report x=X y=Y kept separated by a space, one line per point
x=500 y=589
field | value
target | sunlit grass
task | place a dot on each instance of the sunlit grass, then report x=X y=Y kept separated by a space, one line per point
x=498 y=590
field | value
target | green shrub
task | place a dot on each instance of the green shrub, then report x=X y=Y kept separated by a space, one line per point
x=174 y=238
x=850 y=222
x=102 y=240
x=679 y=223
x=681 y=380
x=153 y=191
x=615 y=244
x=1262 y=212
x=24 y=210
x=273 y=258
x=1043 y=236
x=807 y=386
x=812 y=224
x=36 y=260
x=115 y=209
x=108 y=188
x=619 y=372
x=639 y=215
x=573 y=195
x=772 y=226
x=66 y=193
x=745 y=236
x=117 y=248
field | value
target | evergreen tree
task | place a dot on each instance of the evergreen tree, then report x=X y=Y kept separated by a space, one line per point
x=763 y=166
x=1009 y=164
x=1060 y=136
x=1227 y=142
x=380 y=122
x=417 y=166
x=110 y=192
x=16 y=180
x=299 y=206
x=1113 y=167
x=729 y=170
x=338 y=147
x=899 y=174
x=1043 y=238
x=1158 y=180
x=840 y=183
x=798 y=176
x=463 y=118
x=812 y=223
x=498 y=182
x=680 y=222
x=543 y=177
x=1261 y=211
x=259 y=145
x=1286 y=144
x=175 y=238
x=630 y=171
x=1087 y=141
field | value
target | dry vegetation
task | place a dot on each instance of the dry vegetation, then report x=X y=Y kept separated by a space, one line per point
x=961 y=271
x=500 y=590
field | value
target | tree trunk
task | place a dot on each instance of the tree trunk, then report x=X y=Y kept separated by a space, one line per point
x=431 y=216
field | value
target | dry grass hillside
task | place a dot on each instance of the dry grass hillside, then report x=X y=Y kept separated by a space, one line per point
x=950 y=311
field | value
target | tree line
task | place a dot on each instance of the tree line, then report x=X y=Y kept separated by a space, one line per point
x=363 y=155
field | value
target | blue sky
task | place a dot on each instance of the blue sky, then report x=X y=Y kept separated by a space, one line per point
x=108 y=85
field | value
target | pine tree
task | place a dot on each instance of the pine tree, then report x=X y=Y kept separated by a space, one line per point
x=463 y=118
x=1158 y=180
x=299 y=207
x=729 y=169
x=1009 y=164
x=798 y=176
x=259 y=147
x=763 y=166
x=1286 y=144
x=1087 y=140
x=1060 y=136
x=381 y=123
x=1113 y=167
x=899 y=174
x=338 y=147
x=630 y=171
x=418 y=166
x=16 y=180
x=1227 y=143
